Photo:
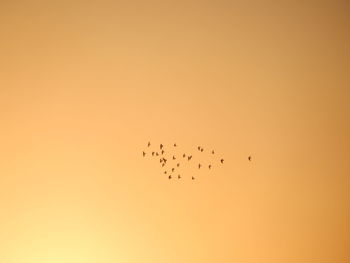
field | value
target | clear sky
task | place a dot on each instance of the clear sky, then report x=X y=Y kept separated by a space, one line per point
x=84 y=85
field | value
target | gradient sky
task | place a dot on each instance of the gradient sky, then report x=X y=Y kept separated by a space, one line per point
x=84 y=85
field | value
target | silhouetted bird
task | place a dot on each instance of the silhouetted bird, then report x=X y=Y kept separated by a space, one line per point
x=209 y=166
x=184 y=155
x=222 y=160
x=162 y=152
x=160 y=160
x=212 y=151
x=178 y=165
x=164 y=160
x=163 y=164
x=175 y=145
x=172 y=169
x=156 y=153
x=164 y=172
x=199 y=166
x=161 y=146
x=149 y=144
x=178 y=177
x=202 y=149
x=193 y=178
x=152 y=153
x=169 y=176
x=199 y=148
x=143 y=153
x=249 y=158
x=174 y=157
x=189 y=157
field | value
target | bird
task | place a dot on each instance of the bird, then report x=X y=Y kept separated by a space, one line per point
x=152 y=153
x=161 y=146
x=199 y=166
x=156 y=153
x=143 y=153
x=212 y=152
x=174 y=157
x=178 y=165
x=209 y=166
x=149 y=144
x=249 y=158
x=162 y=152
x=199 y=148
x=164 y=160
x=169 y=176
x=193 y=178
x=160 y=160
x=164 y=172
x=178 y=177
x=184 y=155
x=222 y=160
x=189 y=157
x=163 y=164
x=202 y=149
x=175 y=145
x=172 y=169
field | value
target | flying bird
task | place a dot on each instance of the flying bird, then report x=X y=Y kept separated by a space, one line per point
x=178 y=177
x=160 y=160
x=249 y=158
x=209 y=166
x=212 y=151
x=199 y=166
x=175 y=145
x=169 y=176
x=143 y=153
x=149 y=144
x=189 y=157
x=178 y=165
x=172 y=169
x=184 y=155
x=222 y=160
x=164 y=172
x=174 y=157
x=152 y=153
x=199 y=148
x=161 y=146
x=163 y=164
x=156 y=153
x=202 y=149
x=162 y=152
x=193 y=178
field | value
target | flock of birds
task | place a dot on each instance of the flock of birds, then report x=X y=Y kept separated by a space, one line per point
x=169 y=169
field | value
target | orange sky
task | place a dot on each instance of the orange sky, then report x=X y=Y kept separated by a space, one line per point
x=84 y=85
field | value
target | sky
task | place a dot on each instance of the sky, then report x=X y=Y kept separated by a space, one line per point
x=84 y=85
